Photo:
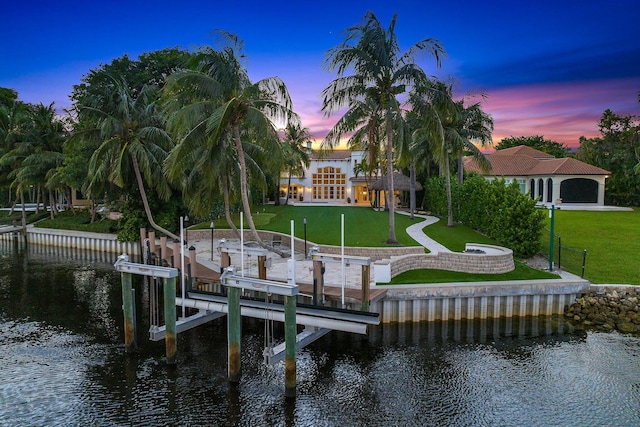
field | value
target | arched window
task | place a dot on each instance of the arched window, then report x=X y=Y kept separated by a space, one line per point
x=540 y=189
x=549 y=190
x=532 y=188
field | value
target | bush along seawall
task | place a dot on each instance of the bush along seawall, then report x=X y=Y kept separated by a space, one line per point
x=607 y=308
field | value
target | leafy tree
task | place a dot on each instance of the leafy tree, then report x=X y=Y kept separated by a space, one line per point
x=215 y=102
x=133 y=142
x=494 y=208
x=618 y=151
x=538 y=142
x=380 y=74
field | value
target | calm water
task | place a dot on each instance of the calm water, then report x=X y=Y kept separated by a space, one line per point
x=62 y=363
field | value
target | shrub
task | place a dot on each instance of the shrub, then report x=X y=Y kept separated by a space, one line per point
x=493 y=208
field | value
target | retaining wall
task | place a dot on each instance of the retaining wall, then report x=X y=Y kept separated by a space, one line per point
x=78 y=240
x=479 y=300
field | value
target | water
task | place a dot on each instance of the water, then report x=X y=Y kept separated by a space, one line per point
x=62 y=363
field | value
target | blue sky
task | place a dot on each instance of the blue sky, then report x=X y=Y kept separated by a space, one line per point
x=548 y=67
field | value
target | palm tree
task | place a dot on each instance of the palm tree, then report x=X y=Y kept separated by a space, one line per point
x=449 y=128
x=133 y=141
x=380 y=74
x=15 y=121
x=216 y=100
x=294 y=151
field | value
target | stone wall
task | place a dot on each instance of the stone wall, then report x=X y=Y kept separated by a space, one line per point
x=607 y=308
x=486 y=263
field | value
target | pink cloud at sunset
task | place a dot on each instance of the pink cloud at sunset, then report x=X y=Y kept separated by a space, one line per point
x=562 y=112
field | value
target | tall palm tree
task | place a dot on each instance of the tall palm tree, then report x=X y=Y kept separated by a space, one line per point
x=449 y=128
x=216 y=100
x=380 y=73
x=133 y=142
x=294 y=151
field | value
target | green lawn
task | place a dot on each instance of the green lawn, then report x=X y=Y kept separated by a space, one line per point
x=521 y=272
x=81 y=221
x=363 y=226
x=612 y=241
x=454 y=238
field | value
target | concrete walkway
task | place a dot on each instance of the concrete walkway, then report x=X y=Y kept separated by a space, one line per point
x=416 y=233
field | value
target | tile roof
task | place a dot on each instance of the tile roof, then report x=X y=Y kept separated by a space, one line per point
x=527 y=161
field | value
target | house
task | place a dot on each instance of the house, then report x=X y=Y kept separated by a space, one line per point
x=544 y=177
x=330 y=178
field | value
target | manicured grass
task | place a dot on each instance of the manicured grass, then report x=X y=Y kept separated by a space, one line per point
x=454 y=238
x=521 y=272
x=81 y=221
x=612 y=241
x=363 y=226
x=6 y=219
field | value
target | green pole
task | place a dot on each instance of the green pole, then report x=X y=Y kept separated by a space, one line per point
x=127 y=308
x=170 y=319
x=552 y=216
x=233 y=333
x=290 y=332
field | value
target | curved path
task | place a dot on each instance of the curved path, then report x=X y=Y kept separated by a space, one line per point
x=416 y=233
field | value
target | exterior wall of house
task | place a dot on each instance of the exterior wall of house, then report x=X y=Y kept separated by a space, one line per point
x=547 y=188
x=326 y=180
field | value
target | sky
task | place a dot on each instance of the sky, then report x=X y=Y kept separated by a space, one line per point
x=547 y=68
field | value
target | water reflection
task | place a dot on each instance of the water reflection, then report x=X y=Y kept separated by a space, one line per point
x=63 y=363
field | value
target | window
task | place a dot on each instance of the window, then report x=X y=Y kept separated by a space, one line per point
x=329 y=184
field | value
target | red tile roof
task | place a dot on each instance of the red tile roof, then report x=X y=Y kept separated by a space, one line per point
x=527 y=161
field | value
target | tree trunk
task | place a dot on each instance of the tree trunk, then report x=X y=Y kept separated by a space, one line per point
x=145 y=202
x=447 y=174
x=243 y=185
x=24 y=214
x=38 y=201
x=227 y=211
x=412 y=188
x=70 y=200
x=286 y=201
x=92 y=211
x=392 y=210
x=52 y=205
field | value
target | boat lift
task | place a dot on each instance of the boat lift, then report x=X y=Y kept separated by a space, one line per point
x=318 y=273
x=317 y=321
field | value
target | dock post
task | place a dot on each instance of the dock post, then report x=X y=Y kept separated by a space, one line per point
x=163 y=249
x=262 y=267
x=317 y=280
x=170 y=319
x=366 y=278
x=128 y=309
x=233 y=333
x=152 y=241
x=290 y=332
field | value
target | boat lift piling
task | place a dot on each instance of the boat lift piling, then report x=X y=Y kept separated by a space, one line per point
x=169 y=274
x=234 y=284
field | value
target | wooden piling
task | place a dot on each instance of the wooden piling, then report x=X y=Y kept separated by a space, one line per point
x=129 y=316
x=366 y=278
x=262 y=267
x=290 y=332
x=170 y=319
x=233 y=333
